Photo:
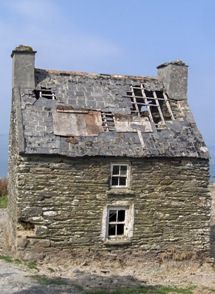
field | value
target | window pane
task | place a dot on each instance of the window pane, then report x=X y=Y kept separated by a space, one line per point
x=114 y=181
x=112 y=215
x=120 y=229
x=115 y=170
x=159 y=94
x=121 y=215
x=122 y=181
x=123 y=170
x=149 y=93
x=111 y=230
x=138 y=92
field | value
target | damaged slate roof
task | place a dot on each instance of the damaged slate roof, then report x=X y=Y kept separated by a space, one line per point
x=79 y=114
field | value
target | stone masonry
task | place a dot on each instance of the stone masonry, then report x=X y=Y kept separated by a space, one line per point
x=60 y=207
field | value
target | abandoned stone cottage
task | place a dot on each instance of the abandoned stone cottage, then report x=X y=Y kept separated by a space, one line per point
x=105 y=163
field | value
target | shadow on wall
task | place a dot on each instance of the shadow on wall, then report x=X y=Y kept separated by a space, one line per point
x=212 y=241
x=212 y=228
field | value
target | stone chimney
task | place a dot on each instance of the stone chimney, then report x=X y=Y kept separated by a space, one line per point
x=174 y=77
x=23 y=67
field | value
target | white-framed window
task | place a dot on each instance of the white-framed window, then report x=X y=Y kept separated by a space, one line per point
x=118 y=222
x=119 y=175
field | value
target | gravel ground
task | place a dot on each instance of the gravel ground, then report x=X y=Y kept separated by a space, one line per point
x=69 y=279
x=19 y=280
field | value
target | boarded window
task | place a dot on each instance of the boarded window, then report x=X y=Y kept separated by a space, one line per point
x=77 y=123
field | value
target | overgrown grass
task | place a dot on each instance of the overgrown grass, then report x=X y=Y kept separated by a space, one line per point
x=44 y=280
x=3 y=201
x=146 y=290
x=30 y=264
x=6 y=258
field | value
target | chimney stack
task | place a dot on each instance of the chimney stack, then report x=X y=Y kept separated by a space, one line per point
x=23 y=67
x=174 y=77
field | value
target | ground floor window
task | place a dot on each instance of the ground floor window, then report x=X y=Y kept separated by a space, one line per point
x=118 y=222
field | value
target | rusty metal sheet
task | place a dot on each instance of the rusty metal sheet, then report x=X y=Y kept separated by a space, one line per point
x=77 y=123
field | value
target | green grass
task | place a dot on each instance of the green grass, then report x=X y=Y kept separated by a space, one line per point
x=6 y=258
x=44 y=280
x=146 y=290
x=32 y=265
x=3 y=201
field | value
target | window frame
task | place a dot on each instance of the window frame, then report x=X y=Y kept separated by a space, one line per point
x=119 y=175
x=128 y=223
x=116 y=222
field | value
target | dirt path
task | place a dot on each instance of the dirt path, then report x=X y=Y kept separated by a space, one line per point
x=19 y=280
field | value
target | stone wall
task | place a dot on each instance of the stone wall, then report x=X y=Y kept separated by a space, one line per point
x=61 y=201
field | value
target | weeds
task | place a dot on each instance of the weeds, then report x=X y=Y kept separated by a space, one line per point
x=6 y=258
x=44 y=280
x=146 y=290
x=32 y=265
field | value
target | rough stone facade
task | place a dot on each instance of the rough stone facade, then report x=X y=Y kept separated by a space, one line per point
x=63 y=192
x=61 y=203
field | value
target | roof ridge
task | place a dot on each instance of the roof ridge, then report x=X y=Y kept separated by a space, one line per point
x=90 y=74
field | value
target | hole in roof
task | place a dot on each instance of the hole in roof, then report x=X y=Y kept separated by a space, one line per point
x=44 y=93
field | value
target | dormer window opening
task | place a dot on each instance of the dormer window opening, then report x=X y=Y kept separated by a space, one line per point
x=108 y=121
x=44 y=92
x=151 y=104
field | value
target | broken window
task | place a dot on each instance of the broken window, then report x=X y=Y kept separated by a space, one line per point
x=119 y=175
x=116 y=222
x=151 y=104
x=108 y=121
x=45 y=93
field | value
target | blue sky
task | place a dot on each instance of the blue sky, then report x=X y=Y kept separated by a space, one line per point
x=115 y=36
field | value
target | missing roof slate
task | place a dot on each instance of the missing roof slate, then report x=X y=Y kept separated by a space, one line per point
x=44 y=93
x=108 y=121
x=151 y=104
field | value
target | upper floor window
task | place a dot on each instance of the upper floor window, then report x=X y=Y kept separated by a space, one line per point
x=119 y=175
